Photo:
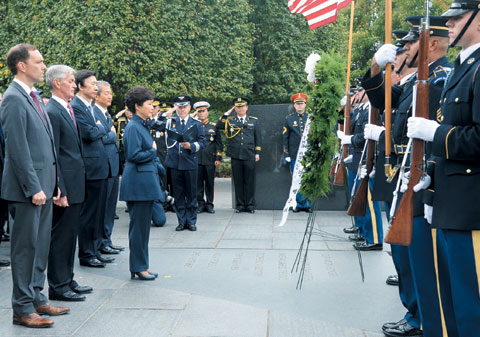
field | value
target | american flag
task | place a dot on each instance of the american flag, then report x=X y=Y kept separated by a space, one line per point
x=317 y=12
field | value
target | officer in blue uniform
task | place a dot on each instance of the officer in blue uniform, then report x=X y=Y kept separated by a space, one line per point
x=244 y=147
x=452 y=199
x=184 y=139
x=415 y=264
x=208 y=159
x=292 y=135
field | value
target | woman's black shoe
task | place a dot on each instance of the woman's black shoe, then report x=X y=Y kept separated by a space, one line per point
x=142 y=277
x=153 y=273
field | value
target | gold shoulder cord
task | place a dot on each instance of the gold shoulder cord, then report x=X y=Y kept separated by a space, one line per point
x=227 y=124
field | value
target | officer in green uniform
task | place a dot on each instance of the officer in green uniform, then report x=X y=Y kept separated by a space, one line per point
x=243 y=146
x=208 y=158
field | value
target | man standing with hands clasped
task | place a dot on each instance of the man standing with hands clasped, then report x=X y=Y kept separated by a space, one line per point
x=29 y=183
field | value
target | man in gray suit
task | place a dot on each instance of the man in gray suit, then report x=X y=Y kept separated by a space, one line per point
x=28 y=184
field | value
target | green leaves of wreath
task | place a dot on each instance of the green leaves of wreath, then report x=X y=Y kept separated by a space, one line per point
x=322 y=110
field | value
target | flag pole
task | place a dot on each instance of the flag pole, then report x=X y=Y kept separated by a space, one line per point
x=347 y=88
x=388 y=93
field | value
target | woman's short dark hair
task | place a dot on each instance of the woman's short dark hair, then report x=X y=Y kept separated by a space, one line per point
x=138 y=95
x=18 y=53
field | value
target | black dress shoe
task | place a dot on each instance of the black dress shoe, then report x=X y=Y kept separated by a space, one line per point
x=153 y=273
x=296 y=209
x=356 y=238
x=82 y=289
x=94 y=263
x=250 y=210
x=4 y=263
x=120 y=248
x=394 y=324
x=403 y=330
x=239 y=210
x=148 y=277
x=68 y=296
x=210 y=209
x=5 y=237
x=116 y=217
x=351 y=230
x=180 y=228
x=192 y=228
x=362 y=245
x=109 y=250
x=200 y=209
x=392 y=280
x=105 y=259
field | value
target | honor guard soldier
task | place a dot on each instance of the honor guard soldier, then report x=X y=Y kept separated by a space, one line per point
x=243 y=146
x=415 y=264
x=452 y=199
x=208 y=158
x=120 y=121
x=184 y=139
x=292 y=135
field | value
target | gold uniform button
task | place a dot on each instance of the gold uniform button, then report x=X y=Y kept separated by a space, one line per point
x=456 y=100
x=469 y=171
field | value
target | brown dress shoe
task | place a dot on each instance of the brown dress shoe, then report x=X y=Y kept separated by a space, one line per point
x=50 y=310
x=33 y=320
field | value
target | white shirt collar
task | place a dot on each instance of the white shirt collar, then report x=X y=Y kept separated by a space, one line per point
x=101 y=109
x=186 y=119
x=87 y=103
x=25 y=87
x=406 y=78
x=469 y=51
x=61 y=101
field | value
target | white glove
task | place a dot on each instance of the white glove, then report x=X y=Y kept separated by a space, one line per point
x=421 y=128
x=385 y=54
x=372 y=174
x=363 y=172
x=347 y=140
x=348 y=160
x=428 y=213
x=288 y=159
x=424 y=182
x=340 y=134
x=372 y=131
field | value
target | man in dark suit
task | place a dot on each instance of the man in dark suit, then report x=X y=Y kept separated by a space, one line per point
x=102 y=102
x=244 y=147
x=183 y=162
x=208 y=159
x=29 y=182
x=71 y=172
x=3 y=203
x=97 y=169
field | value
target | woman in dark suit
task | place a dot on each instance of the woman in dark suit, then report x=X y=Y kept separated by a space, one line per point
x=140 y=182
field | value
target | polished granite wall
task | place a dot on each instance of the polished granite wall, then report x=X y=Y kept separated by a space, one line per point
x=272 y=176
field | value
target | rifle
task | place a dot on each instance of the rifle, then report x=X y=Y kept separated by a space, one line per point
x=358 y=206
x=339 y=178
x=401 y=226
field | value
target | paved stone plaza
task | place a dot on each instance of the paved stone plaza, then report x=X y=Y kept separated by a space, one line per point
x=231 y=278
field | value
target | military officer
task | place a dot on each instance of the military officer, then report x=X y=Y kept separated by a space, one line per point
x=452 y=199
x=415 y=264
x=120 y=121
x=292 y=135
x=208 y=159
x=244 y=147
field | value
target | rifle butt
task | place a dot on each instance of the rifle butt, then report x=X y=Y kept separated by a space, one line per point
x=401 y=226
x=358 y=206
x=339 y=179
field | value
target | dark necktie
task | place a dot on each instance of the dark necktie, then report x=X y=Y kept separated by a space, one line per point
x=183 y=124
x=72 y=114
x=34 y=96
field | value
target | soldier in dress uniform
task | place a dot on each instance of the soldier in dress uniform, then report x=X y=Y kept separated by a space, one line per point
x=414 y=264
x=292 y=135
x=370 y=227
x=208 y=158
x=120 y=121
x=244 y=147
x=452 y=199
